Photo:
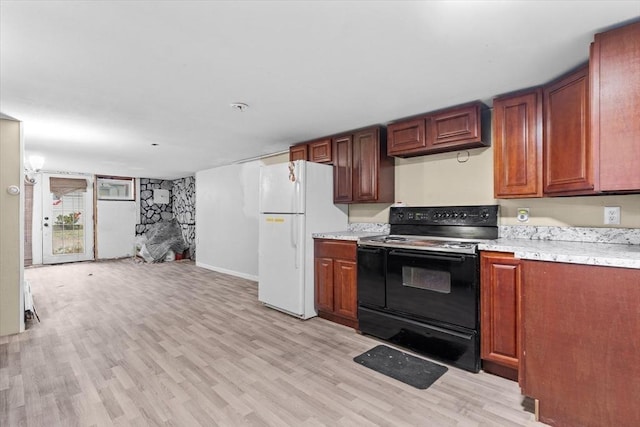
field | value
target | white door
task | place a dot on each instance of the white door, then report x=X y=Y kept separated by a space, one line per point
x=67 y=218
x=281 y=262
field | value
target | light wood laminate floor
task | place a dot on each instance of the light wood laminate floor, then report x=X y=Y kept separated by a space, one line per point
x=171 y=344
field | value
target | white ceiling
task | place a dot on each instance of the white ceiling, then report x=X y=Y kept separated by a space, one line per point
x=97 y=82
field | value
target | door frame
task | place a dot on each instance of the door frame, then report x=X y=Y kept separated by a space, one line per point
x=89 y=205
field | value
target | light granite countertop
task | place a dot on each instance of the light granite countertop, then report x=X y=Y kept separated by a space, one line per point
x=574 y=245
x=345 y=235
x=603 y=254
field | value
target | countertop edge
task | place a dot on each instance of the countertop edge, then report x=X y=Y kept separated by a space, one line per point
x=345 y=235
x=571 y=252
x=597 y=254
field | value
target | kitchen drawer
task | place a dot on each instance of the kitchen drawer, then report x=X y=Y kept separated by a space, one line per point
x=337 y=249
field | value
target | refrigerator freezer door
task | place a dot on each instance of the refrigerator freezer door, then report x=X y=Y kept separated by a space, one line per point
x=282 y=188
x=281 y=263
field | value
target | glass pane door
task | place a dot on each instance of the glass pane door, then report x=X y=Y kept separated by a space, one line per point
x=67 y=219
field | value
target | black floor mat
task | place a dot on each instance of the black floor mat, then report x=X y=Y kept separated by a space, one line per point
x=401 y=366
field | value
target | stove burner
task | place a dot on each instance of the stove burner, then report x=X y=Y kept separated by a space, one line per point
x=422 y=243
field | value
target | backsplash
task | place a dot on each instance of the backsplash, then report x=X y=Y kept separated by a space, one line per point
x=629 y=236
x=625 y=236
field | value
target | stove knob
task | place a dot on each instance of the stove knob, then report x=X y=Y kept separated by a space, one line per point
x=400 y=215
x=463 y=215
x=455 y=214
x=447 y=214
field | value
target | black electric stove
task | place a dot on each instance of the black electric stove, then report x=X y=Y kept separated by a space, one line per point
x=419 y=286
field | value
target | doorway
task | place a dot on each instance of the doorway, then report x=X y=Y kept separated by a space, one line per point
x=67 y=218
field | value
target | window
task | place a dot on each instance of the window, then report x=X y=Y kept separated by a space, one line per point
x=422 y=278
x=115 y=188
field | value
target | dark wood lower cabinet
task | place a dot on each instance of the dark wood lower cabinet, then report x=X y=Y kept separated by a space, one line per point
x=580 y=336
x=501 y=281
x=335 y=272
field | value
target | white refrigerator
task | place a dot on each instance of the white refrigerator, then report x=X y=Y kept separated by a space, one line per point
x=296 y=200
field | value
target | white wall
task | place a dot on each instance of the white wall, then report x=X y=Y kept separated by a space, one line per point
x=227 y=219
x=452 y=178
x=11 y=228
x=116 y=228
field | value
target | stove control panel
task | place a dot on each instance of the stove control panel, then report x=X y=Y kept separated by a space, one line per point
x=484 y=215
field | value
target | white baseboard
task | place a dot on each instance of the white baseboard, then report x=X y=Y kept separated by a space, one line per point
x=225 y=271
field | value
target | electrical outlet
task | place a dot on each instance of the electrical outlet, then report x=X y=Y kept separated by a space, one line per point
x=523 y=214
x=612 y=214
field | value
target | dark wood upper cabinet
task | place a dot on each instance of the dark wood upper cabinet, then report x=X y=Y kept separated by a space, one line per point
x=407 y=137
x=542 y=144
x=320 y=151
x=343 y=169
x=591 y=127
x=366 y=155
x=451 y=129
x=615 y=107
x=517 y=145
x=456 y=128
x=298 y=152
x=568 y=155
x=363 y=173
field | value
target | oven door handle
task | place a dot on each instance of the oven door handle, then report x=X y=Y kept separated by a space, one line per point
x=452 y=258
x=369 y=250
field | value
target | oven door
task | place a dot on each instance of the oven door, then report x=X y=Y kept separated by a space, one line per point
x=438 y=286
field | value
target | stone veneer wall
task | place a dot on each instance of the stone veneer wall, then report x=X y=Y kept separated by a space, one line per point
x=184 y=210
x=150 y=213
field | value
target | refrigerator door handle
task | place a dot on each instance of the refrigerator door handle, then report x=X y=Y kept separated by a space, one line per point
x=294 y=223
x=297 y=197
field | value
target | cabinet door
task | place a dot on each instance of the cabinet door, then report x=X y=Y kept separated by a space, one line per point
x=615 y=106
x=366 y=159
x=345 y=288
x=500 y=313
x=581 y=325
x=452 y=127
x=320 y=151
x=517 y=145
x=298 y=152
x=324 y=283
x=405 y=137
x=343 y=169
x=568 y=154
